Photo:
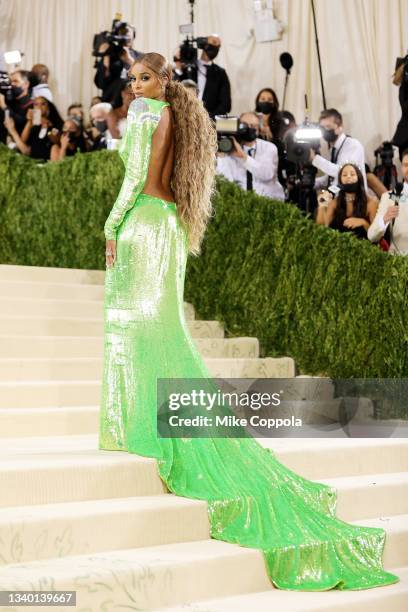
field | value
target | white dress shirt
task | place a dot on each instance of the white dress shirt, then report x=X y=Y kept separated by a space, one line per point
x=43 y=90
x=350 y=150
x=201 y=76
x=399 y=242
x=263 y=166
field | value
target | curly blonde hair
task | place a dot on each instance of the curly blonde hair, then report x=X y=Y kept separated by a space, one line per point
x=195 y=145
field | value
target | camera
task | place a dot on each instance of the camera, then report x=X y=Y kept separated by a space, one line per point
x=5 y=85
x=386 y=152
x=119 y=35
x=228 y=126
x=189 y=50
x=300 y=140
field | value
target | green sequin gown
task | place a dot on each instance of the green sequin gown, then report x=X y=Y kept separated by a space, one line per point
x=253 y=500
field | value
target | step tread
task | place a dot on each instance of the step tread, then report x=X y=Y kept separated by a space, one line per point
x=290 y=601
x=350 y=482
x=95 y=507
x=163 y=554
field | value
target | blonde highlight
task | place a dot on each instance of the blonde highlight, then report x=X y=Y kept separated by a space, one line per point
x=195 y=143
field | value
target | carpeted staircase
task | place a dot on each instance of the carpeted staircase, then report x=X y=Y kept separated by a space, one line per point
x=102 y=523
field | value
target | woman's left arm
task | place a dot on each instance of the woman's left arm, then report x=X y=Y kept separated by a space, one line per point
x=140 y=126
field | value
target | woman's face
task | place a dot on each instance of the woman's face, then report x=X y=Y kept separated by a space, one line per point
x=266 y=96
x=41 y=104
x=348 y=175
x=145 y=83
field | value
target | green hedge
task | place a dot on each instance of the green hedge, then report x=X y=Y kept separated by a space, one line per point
x=337 y=305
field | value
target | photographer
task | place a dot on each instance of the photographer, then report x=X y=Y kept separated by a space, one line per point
x=395 y=216
x=72 y=141
x=253 y=163
x=115 y=58
x=213 y=83
x=351 y=211
x=42 y=127
x=400 y=138
x=343 y=148
x=21 y=100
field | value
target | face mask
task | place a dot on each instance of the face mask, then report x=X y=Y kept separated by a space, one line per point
x=211 y=51
x=17 y=91
x=349 y=187
x=246 y=133
x=101 y=126
x=329 y=135
x=266 y=108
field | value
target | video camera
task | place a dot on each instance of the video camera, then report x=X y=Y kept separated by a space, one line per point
x=386 y=153
x=300 y=140
x=189 y=49
x=121 y=33
x=5 y=85
x=228 y=126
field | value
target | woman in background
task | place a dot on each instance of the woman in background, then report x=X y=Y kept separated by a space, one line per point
x=43 y=125
x=351 y=210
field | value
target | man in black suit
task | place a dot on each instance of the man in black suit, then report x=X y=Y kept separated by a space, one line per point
x=213 y=83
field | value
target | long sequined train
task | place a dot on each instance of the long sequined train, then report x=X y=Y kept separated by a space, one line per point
x=253 y=500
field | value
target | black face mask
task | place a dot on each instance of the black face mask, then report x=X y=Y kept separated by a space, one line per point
x=329 y=135
x=101 y=126
x=266 y=108
x=246 y=133
x=349 y=187
x=211 y=51
x=17 y=91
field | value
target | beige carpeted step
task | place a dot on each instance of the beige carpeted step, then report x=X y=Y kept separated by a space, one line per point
x=331 y=458
x=365 y=496
x=54 y=275
x=44 y=394
x=65 y=347
x=91 y=368
x=85 y=527
x=146 y=578
x=54 y=477
x=53 y=307
x=51 y=421
x=76 y=326
x=370 y=495
x=392 y=598
x=311 y=458
x=41 y=290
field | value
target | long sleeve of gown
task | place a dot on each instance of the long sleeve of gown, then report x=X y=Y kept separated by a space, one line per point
x=135 y=151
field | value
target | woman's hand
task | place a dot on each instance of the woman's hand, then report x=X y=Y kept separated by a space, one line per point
x=110 y=252
x=64 y=141
x=238 y=150
x=353 y=222
x=10 y=125
x=392 y=212
x=29 y=115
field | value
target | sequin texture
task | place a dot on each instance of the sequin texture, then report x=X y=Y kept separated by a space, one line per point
x=253 y=500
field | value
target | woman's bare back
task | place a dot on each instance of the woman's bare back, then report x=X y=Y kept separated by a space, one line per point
x=162 y=158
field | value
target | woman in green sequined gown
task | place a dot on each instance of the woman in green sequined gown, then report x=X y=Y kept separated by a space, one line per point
x=253 y=500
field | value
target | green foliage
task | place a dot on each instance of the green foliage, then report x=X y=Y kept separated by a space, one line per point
x=336 y=304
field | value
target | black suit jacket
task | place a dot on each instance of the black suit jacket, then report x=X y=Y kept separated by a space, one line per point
x=217 y=90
